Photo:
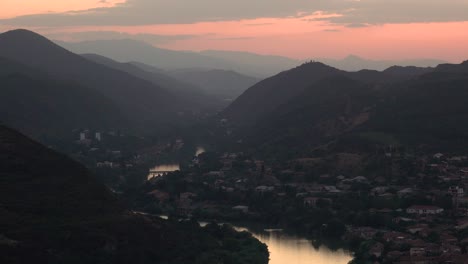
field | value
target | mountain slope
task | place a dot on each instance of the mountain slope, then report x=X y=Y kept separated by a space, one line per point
x=39 y=105
x=191 y=95
x=127 y=50
x=223 y=84
x=323 y=112
x=270 y=93
x=417 y=108
x=138 y=99
x=54 y=211
x=429 y=110
x=264 y=97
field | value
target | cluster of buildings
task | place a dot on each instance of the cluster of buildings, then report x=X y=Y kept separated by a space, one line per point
x=427 y=211
x=86 y=137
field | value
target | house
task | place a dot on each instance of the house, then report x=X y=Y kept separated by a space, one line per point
x=264 y=189
x=405 y=192
x=312 y=201
x=398 y=220
x=417 y=228
x=424 y=210
x=395 y=237
x=379 y=190
x=360 y=179
x=456 y=191
x=301 y=194
x=241 y=208
x=215 y=174
x=448 y=239
x=462 y=224
x=365 y=232
x=464 y=173
x=187 y=196
x=107 y=164
x=159 y=195
x=330 y=189
x=376 y=250
x=417 y=252
x=392 y=255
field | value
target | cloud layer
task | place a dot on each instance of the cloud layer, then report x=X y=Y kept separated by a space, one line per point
x=353 y=12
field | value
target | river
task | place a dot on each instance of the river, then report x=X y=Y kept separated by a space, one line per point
x=287 y=249
x=296 y=250
x=283 y=248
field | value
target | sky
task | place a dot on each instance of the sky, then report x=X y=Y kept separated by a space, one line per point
x=302 y=29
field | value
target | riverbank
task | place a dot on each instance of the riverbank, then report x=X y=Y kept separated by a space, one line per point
x=286 y=247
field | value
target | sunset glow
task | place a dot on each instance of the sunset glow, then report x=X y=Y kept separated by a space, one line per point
x=12 y=8
x=303 y=35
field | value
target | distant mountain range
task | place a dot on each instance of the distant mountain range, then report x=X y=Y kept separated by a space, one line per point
x=127 y=50
x=46 y=88
x=185 y=91
x=260 y=66
x=224 y=84
x=355 y=63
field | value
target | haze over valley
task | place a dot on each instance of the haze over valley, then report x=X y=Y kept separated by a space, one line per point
x=137 y=131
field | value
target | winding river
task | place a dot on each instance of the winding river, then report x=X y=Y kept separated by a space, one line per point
x=287 y=249
x=283 y=248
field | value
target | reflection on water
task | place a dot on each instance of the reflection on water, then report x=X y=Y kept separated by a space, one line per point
x=285 y=249
x=161 y=170
x=294 y=250
x=200 y=150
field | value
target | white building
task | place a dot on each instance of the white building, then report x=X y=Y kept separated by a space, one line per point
x=241 y=208
x=456 y=191
x=424 y=210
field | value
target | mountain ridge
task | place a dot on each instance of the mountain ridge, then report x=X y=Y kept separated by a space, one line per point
x=138 y=99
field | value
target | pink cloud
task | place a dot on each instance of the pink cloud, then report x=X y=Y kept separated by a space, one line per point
x=311 y=37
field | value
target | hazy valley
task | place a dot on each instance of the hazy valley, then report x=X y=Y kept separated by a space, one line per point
x=116 y=151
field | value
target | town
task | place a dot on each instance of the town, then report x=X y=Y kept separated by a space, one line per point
x=415 y=212
x=419 y=219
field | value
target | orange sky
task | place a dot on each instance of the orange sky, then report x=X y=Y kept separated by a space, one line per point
x=299 y=37
x=12 y=8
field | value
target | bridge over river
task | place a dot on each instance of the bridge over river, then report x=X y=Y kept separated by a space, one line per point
x=162 y=170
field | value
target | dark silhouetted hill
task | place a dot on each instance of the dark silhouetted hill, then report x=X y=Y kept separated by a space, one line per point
x=139 y=100
x=54 y=211
x=429 y=110
x=190 y=95
x=39 y=105
x=267 y=95
x=264 y=97
x=301 y=109
x=322 y=112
